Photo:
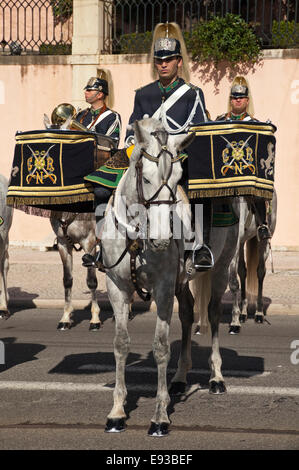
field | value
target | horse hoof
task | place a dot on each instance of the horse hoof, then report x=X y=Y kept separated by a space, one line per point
x=197 y=330
x=4 y=315
x=234 y=329
x=94 y=326
x=62 y=326
x=217 y=388
x=177 y=388
x=115 y=425
x=259 y=319
x=242 y=318
x=158 y=429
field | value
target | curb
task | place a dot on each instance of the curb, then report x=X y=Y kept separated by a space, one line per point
x=273 y=309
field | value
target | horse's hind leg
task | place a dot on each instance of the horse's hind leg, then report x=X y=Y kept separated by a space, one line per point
x=235 y=325
x=66 y=255
x=242 y=271
x=117 y=415
x=261 y=272
x=4 y=264
x=92 y=284
x=186 y=304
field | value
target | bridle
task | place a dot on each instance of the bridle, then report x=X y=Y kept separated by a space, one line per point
x=162 y=138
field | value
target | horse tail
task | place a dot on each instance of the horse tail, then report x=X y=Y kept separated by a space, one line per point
x=201 y=289
x=252 y=259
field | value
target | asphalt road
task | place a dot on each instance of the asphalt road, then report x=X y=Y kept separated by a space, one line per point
x=56 y=387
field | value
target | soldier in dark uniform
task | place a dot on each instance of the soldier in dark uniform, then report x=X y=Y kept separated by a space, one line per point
x=178 y=104
x=240 y=108
x=98 y=117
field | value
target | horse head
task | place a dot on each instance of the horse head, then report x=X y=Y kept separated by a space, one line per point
x=157 y=169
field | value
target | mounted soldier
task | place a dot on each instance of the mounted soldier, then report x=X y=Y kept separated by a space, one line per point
x=240 y=108
x=172 y=99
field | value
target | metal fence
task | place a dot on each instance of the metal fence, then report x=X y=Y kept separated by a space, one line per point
x=35 y=26
x=140 y=16
x=45 y=26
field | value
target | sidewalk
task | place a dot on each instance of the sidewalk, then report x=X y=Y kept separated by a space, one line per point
x=35 y=280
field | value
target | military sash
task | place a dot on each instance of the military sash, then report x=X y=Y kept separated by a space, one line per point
x=232 y=159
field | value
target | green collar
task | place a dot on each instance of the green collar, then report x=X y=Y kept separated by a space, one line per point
x=169 y=87
x=95 y=112
x=238 y=117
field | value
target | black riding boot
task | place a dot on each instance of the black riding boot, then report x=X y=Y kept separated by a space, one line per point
x=101 y=196
x=263 y=232
x=202 y=255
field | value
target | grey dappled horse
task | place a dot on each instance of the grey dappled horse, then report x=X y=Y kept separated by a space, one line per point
x=151 y=183
x=250 y=268
x=6 y=214
x=73 y=229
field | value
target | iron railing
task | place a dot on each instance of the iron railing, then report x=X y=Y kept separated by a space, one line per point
x=33 y=26
x=140 y=16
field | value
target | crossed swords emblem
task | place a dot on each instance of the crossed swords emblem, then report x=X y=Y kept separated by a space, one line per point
x=39 y=162
x=237 y=154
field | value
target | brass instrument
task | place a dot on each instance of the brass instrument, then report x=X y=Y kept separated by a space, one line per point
x=61 y=113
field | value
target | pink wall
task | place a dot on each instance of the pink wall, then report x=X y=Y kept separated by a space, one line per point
x=30 y=91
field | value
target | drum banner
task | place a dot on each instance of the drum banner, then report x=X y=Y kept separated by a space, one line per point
x=232 y=159
x=48 y=171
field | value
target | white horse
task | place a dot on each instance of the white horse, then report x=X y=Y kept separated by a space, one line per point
x=157 y=265
x=250 y=268
x=6 y=214
x=73 y=229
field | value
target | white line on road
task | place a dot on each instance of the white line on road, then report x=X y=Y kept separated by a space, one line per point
x=101 y=387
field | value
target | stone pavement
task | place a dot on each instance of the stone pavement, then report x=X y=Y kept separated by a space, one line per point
x=35 y=280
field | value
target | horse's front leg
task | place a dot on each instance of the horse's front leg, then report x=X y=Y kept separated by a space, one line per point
x=161 y=351
x=66 y=255
x=89 y=246
x=186 y=304
x=121 y=308
x=242 y=271
x=235 y=325
x=4 y=264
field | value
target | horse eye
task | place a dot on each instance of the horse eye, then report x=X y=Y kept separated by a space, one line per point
x=146 y=181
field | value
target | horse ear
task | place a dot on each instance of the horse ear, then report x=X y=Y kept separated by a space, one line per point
x=140 y=134
x=182 y=141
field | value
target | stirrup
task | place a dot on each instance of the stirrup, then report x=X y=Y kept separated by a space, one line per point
x=263 y=232
x=89 y=261
x=207 y=261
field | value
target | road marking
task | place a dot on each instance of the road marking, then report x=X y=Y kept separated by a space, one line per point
x=102 y=387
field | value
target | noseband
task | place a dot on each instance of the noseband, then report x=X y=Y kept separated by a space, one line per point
x=162 y=137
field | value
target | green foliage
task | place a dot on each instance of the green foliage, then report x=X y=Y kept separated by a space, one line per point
x=135 y=43
x=55 y=49
x=285 y=34
x=62 y=10
x=227 y=38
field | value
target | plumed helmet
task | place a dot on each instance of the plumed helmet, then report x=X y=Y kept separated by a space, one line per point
x=61 y=113
x=240 y=89
x=167 y=42
x=99 y=84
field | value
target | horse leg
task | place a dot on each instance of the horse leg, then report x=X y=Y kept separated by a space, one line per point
x=217 y=385
x=242 y=271
x=235 y=325
x=117 y=415
x=4 y=264
x=92 y=284
x=186 y=304
x=261 y=272
x=66 y=255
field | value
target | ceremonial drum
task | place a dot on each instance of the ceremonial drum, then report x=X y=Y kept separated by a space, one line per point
x=49 y=167
x=234 y=158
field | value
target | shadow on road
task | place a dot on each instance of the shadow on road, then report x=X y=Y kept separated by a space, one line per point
x=18 y=353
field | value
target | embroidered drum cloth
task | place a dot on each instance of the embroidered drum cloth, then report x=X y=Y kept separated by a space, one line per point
x=232 y=159
x=48 y=171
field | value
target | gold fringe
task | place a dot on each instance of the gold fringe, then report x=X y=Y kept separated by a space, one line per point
x=225 y=192
x=51 y=200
